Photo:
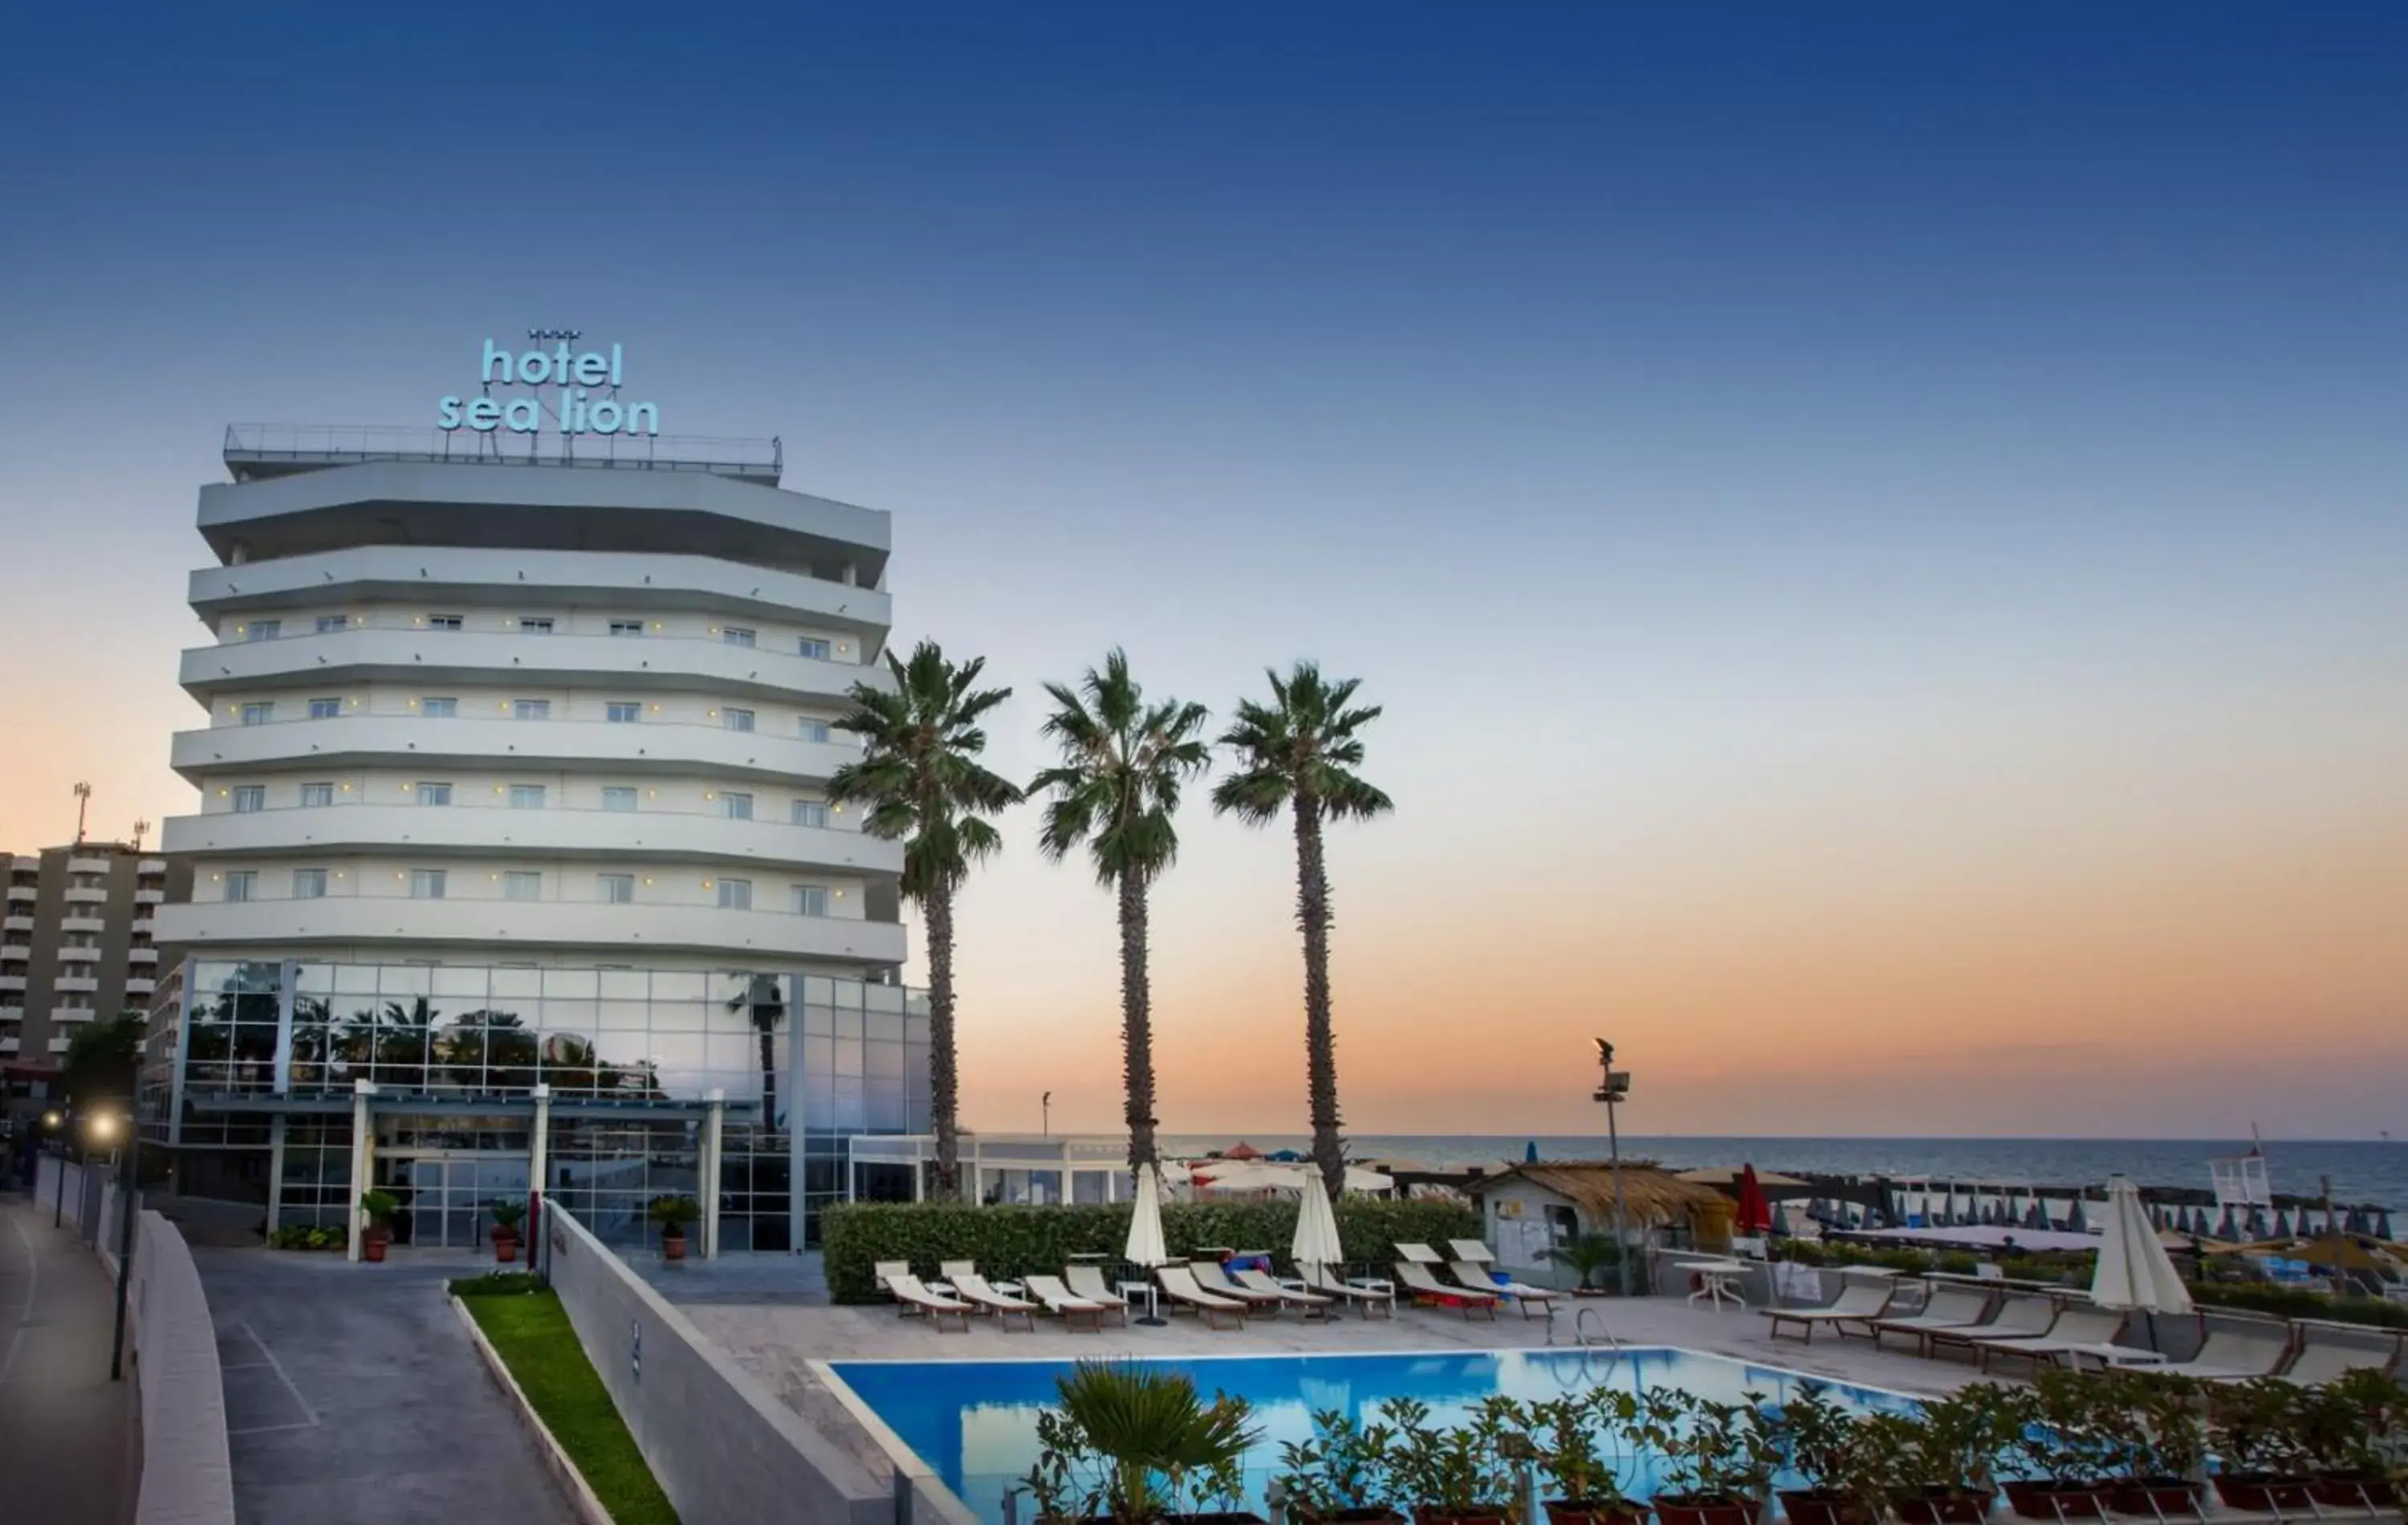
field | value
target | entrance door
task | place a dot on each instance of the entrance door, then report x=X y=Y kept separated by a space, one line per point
x=447 y=1194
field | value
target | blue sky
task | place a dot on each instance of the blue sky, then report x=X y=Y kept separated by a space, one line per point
x=1806 y=485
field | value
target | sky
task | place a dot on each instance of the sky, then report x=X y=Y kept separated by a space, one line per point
x=1880 y=533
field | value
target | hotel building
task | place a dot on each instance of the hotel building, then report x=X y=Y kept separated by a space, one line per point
x=514 y=862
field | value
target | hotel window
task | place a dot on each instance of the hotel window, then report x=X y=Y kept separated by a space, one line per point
x=735 y=807
x=260 y=713
x=623 y=715
x=325 y=708
x=329 y=623
x=736 y=635
x=426 y=884
x=736 y=894
x=814 y=648
x=736 y=720
x=446 y=622
x=314 y=796
x=521 y=887
x=263 y=630
x=529 y=626
x=527 y=796
x=242 y=886
x=248 y=797
x=626 y=628
x=810 y=899
x=814 y=730
x=308 y=883
x=440 y=709
x=616 y=888
x=809 y=812
x=530 y=709
x=434 y=794
x=614 y=798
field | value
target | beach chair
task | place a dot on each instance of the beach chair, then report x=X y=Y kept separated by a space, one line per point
x=881 y=1270
x=1377 y=1299
x=1533 y=1301
x=2017 y=1319
x=1859 y=1302
x=2326 y=1351
x=911 y=1297
x=1415 y=1277
x=2230 y=1353
x=1214 y=1279
x=1068 y=1306
x=1471 y=1250
x=974 y=1288
x=1421 y=1255
x=2078 y=1327
x=1088 y=1282
x=952 y=1270
x=1179 y=1285
x=1311 y=1304
x=1950 y=1306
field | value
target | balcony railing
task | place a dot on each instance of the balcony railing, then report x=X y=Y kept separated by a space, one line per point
x=266 y=449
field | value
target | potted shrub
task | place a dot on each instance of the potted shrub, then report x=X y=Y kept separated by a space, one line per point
x=1138 y=1447
x=380 y=1206
x=2150 y=1422
x=1589 y=1257
x=1566 y=1435
x=507 y=1215
x=1340 y=1476
x=1718 y=1459
x=1847 y=1477
x=2064 y=1454
x=1941 y=1460
x=671 y=1215
x=2254 y=1430
x=1456 y=1476
x=2355 y=1431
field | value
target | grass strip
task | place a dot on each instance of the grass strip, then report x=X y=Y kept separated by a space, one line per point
x=532 y=1333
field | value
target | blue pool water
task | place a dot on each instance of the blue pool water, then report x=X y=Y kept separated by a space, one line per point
x=975 y=1422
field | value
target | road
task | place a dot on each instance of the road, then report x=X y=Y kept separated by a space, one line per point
x=67 y=1432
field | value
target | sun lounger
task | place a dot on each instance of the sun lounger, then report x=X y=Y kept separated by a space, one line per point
x=1859 y=1302
x=949 y=1270
x=2017 y=1319
x=1214 y=1278
x=2325 y=1353
x=1532 y=1301
x=1068 y=1306
x=1948 y=1307
x=1311 y=1304
x=1088 y=1282
x=879 y=1270
x=913 y=1297
x=974 y=1288
x=1415 y=1278
x=2077 y=1327
x=2228 y=1354
x=1421 y=1255
x=1179 y=1285
x=1472 y=1250
x=1377 y=1302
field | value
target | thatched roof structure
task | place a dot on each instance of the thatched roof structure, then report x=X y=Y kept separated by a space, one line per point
x=1653 y=1197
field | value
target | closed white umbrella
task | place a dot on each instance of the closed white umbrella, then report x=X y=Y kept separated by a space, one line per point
x=2134 y=1271
x=1316 y=1229
x=1146 y=1247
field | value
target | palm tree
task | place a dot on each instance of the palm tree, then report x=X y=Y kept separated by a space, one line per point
x=765 y=1006
x=1297 y=753
x=1116 y=789
x=922 y=780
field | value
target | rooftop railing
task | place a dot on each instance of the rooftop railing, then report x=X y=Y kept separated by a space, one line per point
x=270 y=450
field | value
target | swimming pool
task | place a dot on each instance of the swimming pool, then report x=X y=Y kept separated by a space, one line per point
x=974 y=1423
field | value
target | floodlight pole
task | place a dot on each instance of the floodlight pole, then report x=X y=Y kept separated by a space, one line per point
x=1615 y=1087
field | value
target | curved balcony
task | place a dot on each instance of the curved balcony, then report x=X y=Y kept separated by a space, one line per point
x=625 y=836
x=448 y=576
x=617 y=929
x=581 y=746
x=316 y=663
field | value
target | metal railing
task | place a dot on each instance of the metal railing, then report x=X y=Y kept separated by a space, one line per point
x=262 y=447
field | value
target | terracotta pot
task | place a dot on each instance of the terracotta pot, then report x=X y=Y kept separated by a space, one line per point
x=1823 y=1506
x=1943 y=1506
x=673 y=1246
x=1369 y=1515
x=372 y=1245
x=2261 y=1490
x=505 y=1248
x=2047 y=1498
x=2354 y=1490
x=1702 y=1509
x=2150 y=1497
x=1479 y=1515
x=1579 y=1512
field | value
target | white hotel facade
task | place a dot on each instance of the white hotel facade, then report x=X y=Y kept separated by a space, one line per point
x=514 y=840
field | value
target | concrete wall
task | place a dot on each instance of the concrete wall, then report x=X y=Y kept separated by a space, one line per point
x=722 y=1447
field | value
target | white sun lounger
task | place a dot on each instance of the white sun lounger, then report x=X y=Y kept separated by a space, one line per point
x=1311 y=1304
x=1421 y=1255
x=911 y=1297
x=2077 y=1327
x=1213 y=1277
x=1068 y=1306
x=2017 y=1319
x=1377 y=1299
x=1859 y=1302
x=1532 y=1301
x=1416 y=1279
x=974 y=1288
x=2226 y=1355
x=1948 y=1307
x=1471 y=1250
x=882 y=1271
x=2325 y=1353
x=1088 y=1282
x=1179 y=1285
x=949 y=1270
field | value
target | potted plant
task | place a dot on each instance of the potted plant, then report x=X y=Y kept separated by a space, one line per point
x=671 y=1215
x=1941 y=1460
x=1340 y=1476
x=507 y=1215
x=1589 y=1257
x=2355 y=1430
x=380 y=1206
x=2064 y=1454
x=1846 y=1477
x=1138 y=1447
x=1567 y=1431
x=2256 y=1432
x=2150 y=1422
x=1718 y=1459
x=1460 y=1475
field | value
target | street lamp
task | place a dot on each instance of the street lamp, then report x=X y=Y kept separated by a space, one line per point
x=1613 y=1088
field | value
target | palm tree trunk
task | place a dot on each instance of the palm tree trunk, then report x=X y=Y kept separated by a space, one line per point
x=944 y=1075
x=1137 y=1022
x=769 y=1078
x=1320 y=1046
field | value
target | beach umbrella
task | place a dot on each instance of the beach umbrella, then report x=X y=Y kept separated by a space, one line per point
x=2283 y=1223
x=2075 y=1223
x=2134 y=1271
x=1316 y=1226
x=1530 y=1153
x=2037 y=1215
x=2226 y=1228
x=1241 y=1150
x=1146 y=1248
x=1754 y=1215
x=2382 y=1223
x=2354 y=1222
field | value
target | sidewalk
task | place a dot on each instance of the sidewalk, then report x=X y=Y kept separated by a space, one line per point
x=67 y=1430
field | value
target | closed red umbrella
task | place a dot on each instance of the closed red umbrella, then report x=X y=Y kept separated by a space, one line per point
x=1755 y=1215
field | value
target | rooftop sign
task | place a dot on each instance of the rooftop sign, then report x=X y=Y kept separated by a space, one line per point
x=572 y=408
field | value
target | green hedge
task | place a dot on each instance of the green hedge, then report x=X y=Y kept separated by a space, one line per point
x=2296 y=1303
x=1016 y=1241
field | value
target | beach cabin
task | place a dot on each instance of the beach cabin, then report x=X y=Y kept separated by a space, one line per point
x=1529 y=1210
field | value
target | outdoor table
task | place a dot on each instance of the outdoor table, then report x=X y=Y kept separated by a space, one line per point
x=1716 y=1280
x=1145 y=1289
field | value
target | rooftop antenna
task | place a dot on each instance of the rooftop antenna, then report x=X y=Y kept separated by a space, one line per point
x=83 y=799
x=139 y=827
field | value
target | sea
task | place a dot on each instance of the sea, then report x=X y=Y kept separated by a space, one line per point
x=2360 y=1172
